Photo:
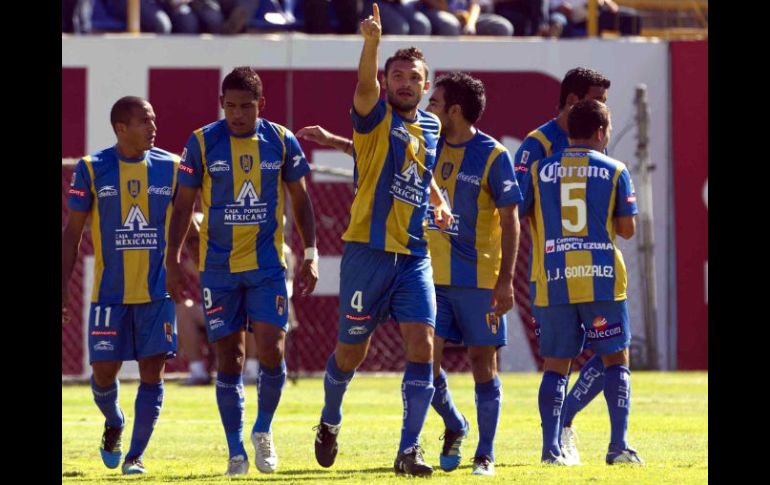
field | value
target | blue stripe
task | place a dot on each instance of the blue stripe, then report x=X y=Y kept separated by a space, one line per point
x=220 y=241
x=270 y=150
x=107 y=172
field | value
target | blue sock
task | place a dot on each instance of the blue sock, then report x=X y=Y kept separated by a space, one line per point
x=106 y=399
x=335 y=384
x=489 y=400
x=231 y=403
x=442 y=403
x=149 y=399
x=416 y=393
x=589 y=384
x=550 y=400
x=617 y=392
x=269 y=386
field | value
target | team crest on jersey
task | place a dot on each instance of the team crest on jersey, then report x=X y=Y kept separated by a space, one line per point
x=168 y=329
x=280 y=305
x=446 y=169
x=247 y=161
x=407 y=185
x=415 y=142
x=133 y=187
x=493 y=323
x=247 y=210
x=136 y=232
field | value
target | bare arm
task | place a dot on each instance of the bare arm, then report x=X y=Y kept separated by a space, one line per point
x=368 y=88
x=181 y=217
x=442 y=214
x=625 y=226
x=318 y=134
x=70 y=244
x=442 y=5
x=305 y=221
x=502 y=296
x=473 y=16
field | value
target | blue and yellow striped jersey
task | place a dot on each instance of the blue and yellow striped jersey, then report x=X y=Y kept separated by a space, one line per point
x=394 y=158
x=242 y=193
x=540 y=143
x=130 y=205
x=475 y=178
x=574 y=196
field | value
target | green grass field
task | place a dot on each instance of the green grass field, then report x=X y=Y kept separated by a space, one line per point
x=668 y=426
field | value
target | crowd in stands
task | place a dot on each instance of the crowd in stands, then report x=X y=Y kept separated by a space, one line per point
x=546 y=18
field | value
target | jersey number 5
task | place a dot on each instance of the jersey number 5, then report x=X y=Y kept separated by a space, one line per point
x=578 y=203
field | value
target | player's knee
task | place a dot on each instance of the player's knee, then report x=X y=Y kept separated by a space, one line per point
x=616 y=358
x=349 y=357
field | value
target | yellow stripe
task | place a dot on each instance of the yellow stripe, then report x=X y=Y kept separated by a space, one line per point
x=371 y=153
x=243 y=256
x=620 y=265
x=278 y=237
x=488 y=231
x=96 y=234
x=573 y=188
x=439 y=243
x=397 y=223
x=539 y=136
x=579 y=288
x=170 y=208
x=538 y=243
x=205 y=203
x=136 y=263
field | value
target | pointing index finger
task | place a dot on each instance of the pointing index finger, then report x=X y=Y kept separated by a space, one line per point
x=376 y=12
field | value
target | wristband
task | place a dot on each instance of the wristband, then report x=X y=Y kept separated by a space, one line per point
x=311 y=254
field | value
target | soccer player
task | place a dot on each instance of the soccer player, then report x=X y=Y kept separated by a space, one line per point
x=472 y=261
x=578 y=271
x=473 y=275
x=578 y=84
x=385 y=266
x=240 y=165
x=126 y=189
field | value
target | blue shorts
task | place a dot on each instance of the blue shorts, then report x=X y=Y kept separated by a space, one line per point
x=229 y=298
x=466 y=316
x=131 y=332
x=565 y=328
x=375 y=284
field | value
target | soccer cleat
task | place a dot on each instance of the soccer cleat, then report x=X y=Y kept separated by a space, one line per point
x=551 y=459
x=133 y=466
x=628 y=455
x=326 y=443
x=411 y=462
x=450 y=456
x=111 y=447
x=483 y=465
x=569 y=446
x=237 y=465
x=265 y=456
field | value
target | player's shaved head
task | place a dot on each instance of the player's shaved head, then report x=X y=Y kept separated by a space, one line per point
x=243 y=78
x=586 y=117
x=579 y=81
x=123 y=109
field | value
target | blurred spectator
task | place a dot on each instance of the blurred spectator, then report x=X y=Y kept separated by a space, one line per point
x=348 y=12
x=400 y=17
x=195 y=16
x=572 y=14
x=152 y=17
x=238 y=14
x=76 y=16
x=455 y=17
x=529 y=17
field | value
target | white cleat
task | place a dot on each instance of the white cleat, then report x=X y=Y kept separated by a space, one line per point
x=569 y=446
x=237 y=465
x=554 y=460
x=482 y=465
x=628 y=456
x=265 y=456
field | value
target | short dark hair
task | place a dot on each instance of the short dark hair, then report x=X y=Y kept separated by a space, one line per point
x=243 y=78
x=586 y=117
x=408 y=54
x=465 y=90
x=123 y=109
x=579 y=81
